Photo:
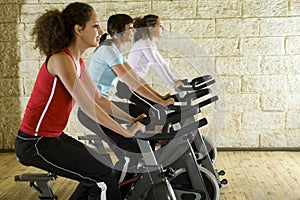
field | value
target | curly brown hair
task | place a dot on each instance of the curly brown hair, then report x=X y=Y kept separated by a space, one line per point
x=54 y=30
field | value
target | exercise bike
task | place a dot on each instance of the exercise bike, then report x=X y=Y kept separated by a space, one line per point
x=155 y=181
x=189 y=92
x=187 y=98
x=187 y=176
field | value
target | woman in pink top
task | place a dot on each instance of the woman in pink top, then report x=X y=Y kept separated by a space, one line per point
x=63 y=37
x=144 y=53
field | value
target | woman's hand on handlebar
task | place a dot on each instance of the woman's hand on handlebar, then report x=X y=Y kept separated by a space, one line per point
x=166 y=96
x=169 y=101
x=134 y=128
x=178 y=84
x=138 y=118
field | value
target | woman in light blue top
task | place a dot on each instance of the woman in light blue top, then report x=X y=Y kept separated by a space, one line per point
x=108 y=65
x=101 y=67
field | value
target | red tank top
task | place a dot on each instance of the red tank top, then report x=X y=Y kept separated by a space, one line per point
x=50 y=104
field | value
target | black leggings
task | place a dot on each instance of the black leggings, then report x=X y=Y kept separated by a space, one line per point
x=121 y=146
x=126 y=149
x=67 y=157
x=155 y=112
x=124 y=92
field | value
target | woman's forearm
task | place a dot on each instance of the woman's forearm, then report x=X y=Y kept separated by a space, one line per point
x=135 y=83
x=104 y=103
x=114 y=110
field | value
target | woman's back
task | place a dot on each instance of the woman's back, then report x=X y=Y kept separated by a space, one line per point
x=100 y=68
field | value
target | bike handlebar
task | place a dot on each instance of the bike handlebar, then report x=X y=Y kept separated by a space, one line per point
x=150 y=136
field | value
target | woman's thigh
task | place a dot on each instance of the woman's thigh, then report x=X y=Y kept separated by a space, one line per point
x=64 y=156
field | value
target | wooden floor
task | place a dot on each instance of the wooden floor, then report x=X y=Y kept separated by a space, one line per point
x=251 y=175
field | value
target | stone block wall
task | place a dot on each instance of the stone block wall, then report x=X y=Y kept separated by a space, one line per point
x=251 y=47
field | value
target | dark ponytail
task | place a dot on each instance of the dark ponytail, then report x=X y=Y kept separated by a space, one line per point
x=104 y=41
x=103 y=38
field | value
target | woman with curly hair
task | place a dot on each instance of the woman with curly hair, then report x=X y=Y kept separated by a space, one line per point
x=62 y=80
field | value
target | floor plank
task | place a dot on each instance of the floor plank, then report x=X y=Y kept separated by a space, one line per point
x=251 y=175
x=260 y=175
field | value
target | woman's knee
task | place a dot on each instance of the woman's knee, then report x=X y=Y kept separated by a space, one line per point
x=109 y=186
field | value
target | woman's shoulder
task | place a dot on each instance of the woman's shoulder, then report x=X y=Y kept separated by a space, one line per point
x=60 y=56
x=143 y=43
x=106 y=46
x=59 y=59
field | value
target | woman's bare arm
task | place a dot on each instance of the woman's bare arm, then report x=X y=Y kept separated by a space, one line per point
x=141 y=80
x=107 y=105
x=137 y=84
x=62 y=66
